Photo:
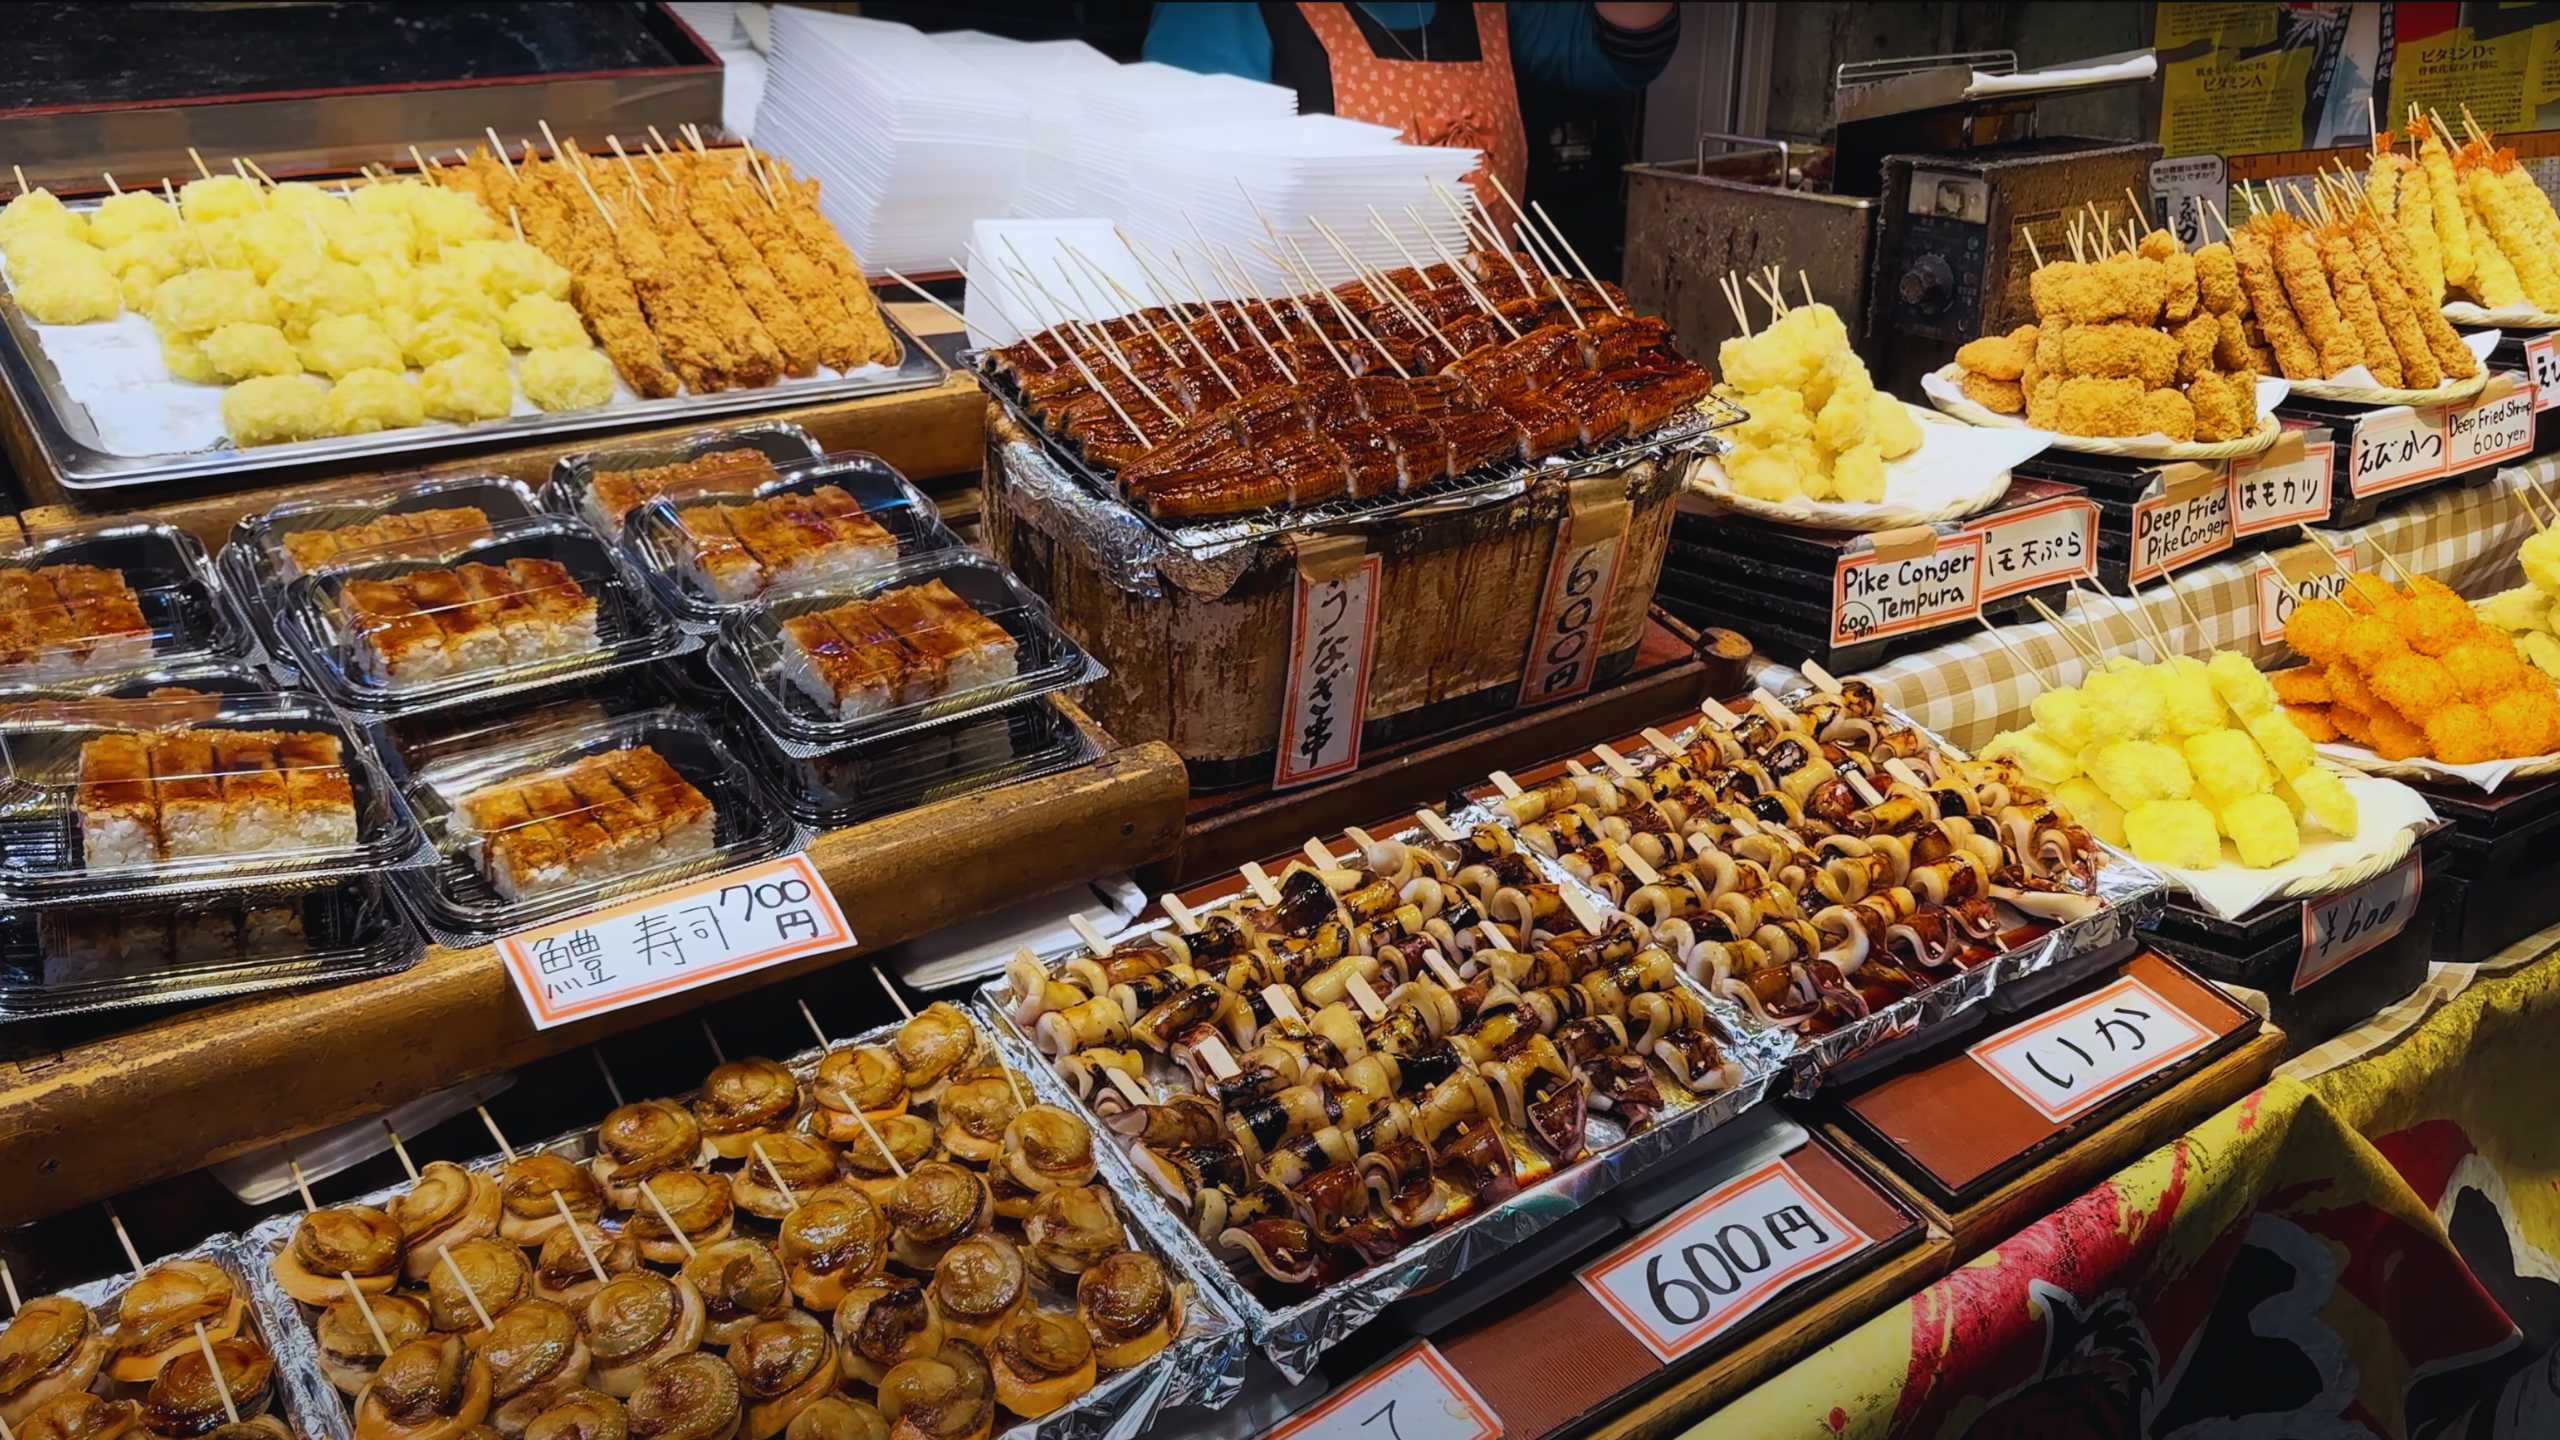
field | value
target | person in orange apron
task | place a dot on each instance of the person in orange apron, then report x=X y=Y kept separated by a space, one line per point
x=1438 y=74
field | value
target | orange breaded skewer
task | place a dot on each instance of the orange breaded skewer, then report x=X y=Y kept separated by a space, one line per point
x=807 y=282
x=715 y=215
x=2399 y=318
x=799 y=207
x=755 y=360
x=2293 y=352
x=604 y=294
x=2357 y=307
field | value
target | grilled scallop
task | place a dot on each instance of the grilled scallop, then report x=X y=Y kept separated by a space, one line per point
x=430 y=1389
x=348 y=1352
x=834 y=1417
x=561 y=1271
x=526 y=1185
x=978 y=1285
x=79 y=1415
x=1070 y=1230
x=687 y=1397
x=157 y=1316
x=1042 y=1360
x=536 y=1357
x=864 y=1078
x=335 y=1241
x=496 y=1273
x=741 y=1281
x=742 y=1100
x=696 y=1200
x=448 y=1205
x=837 y=1238
x=883 y=1323
x=779 y=1168
x=1046 y=1147
x=51 y=1348
x=936 y=1206
x=1130 y=1307
x=581 y=1415
x=634 y=1320
x=933 y=1046
x=950 y=1396
x=783 y=1366
x=186 y=1400
x=639 y=1140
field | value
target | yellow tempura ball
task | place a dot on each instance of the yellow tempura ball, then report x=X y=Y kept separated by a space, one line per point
x=2326 y=798
x=268 y=240
x=309 y=287
x=77 y=290
x=441 y=337
x=566 y=379
x=274 y=409
x=2261 y=828
x=202 y=301
x=184 y=359
x=509 y=270
x=2287 y=749
x=2082 y=800
x=29 y=251
x=365 y=401
x=134 y=213
x=220 y=197
x=2178 y=833
x=2044 y=761
x=341 y=345
x=2065 y=715
x=1858 y=474
x=299 y=198
x=538 y=322
x=2227 y=765
x=470 y=386
x=41 y=210
x=156 y=251
x=2540 y=555
x=1890 y=425
x=445 y=219
x=240 y=351
x=355 y=237
x=2240 y=684
x=446 y=290
x=2188 y=705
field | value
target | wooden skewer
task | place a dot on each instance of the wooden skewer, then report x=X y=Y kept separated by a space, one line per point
x=1391 y=293
x=1617 y=763
x=1594 y=280
x=1438 y=827
x=2024 y=667
x=1822 y=679
x=993 y=292
x=1461 y=272
x=202 y=172
x=718 y=1055
x=1804 y=282
x=9 y=1286
x=577 y=1232
x=876 y=1138
x=2536 y=486
x=2140 y=211
x=612 y=1086
x=491 y=1121
x=1260 y=882
x=1306 y=317
x=364 y=1307
x=213 y=1370
x=684 y=1241
x=500 y=146
x=631 y=177
x=892 y=991
x=2135 y=618
x=23 y=186
x=112 y=187
x=825 y=1045
x=1244 y=312
x=1343 y=313
x=132 y=1256
x=2076 y=643
x=302 y=1185
x=2169 y=583
x=791 y=1201
x=1183 y=919
x=400 y=1150
x=1659 y=741
x=579 y=174
x=454 y=1268
x=1094 y=941
x=1493 y=239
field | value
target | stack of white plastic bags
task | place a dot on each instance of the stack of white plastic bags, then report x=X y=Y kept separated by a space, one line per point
x=914 y=137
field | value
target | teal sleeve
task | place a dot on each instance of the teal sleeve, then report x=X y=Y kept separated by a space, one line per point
x=1211 y=40
x=1557 y=45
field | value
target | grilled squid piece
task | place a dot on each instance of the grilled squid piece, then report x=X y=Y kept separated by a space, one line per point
x=836 y=1239
x=909 y=1137
x=1034 y=992
x=1281 y=1247
x=526 y=1184
x=1046 y=1147
x=1399 y=1177
x=1202 y=1004
x=938 y=1205
x=157 y=1317
x=536 y=1357
x=636 y=1141
x=1477 y=1162
x=1459 y=1098
x=349 y=1353
x=690 y=1397
x=1132 y=1309
x=933 y=1046
x=496 y=1272
x=783 y=1366
x=697 y=1200
x=327 y=1243
x=1332 y=984
x=779 y=1169
x=978 y=1285
x=1137 y=996
x=884 y=1322
x=1096 y=974
x=1083 y=1072
x=1697 y=1061
x=2059 y=906
x=742 y=1100
x=51 y=1347
x=429 y=1389
x=864 y=1078
x=975 y=1110
x=1069 y=1231
x=1290 y=1164
x=1181 y=1121
x=1184 y=1174
x=1622 y=1085
x=833 y=1417
x=1093 y=1022
x=1042 y=1361
x=741 y=1281
x=949 y=1396
x=561 y=1273
x=633 y=1321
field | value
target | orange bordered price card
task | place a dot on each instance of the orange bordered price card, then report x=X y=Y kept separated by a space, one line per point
x=688 y=935
x=1416 y=1395
x=1702 y=1269
x=2073 y=1056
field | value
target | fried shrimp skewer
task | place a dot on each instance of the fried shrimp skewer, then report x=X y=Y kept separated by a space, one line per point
x=2306 y=285
x=2356 y=304
x=2399 y=318
x=2295 y=358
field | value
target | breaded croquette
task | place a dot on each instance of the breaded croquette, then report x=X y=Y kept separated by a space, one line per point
x=1998 y=357
x=2180 y=268
x=2088 y=405
x=2139 y=287
x=2044 y=403
x=2226 y=406
x=2302 y=685
x=2157 y=245
x=2000 y=397
x=2218 y=280
x=2294 y=356
x=2166 y=412
x=2196 y=341
x=2119 y=351
x=2312 y=722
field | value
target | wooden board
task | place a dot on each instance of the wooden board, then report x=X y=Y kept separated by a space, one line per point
x=183 y=1091
x=925 y=433
x=1955 y=1239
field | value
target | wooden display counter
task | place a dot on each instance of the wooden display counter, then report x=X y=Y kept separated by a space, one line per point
x=175 y=1093
x=924 y=433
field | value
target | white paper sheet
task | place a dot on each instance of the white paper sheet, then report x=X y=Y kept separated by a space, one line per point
x=2486 y=775
x=1958 y=470
x=2479 y=343
x=2384 y=808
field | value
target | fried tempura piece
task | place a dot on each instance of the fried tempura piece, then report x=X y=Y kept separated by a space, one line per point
x=2139 y=287
x=563 y=224
x=2087 y=405
x=2000 y=397
x=2232 y=347
x=715 y=215
x=756 y=361
x=2044 y=402
x=2293 y=354
x=2493 y=279
x=2382 y=178
x=808 y=284
x=2443 y=342
x=2356 y=306
x=2196 y=341
x=2399 y=320
x=2225 y=405
x=2218 y=280
x=2306 y=287
x=2166 y=412
x=1998 y=357
x=2444 y=190
x=2121 y=350
x=2184 y=283
x=2157 y=245
x=2511 y=229
x=821 y=243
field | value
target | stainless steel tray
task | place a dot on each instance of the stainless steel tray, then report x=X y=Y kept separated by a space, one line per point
x=70 y=444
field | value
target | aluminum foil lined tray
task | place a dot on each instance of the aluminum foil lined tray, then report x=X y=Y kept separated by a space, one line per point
x=666 y=539
x=173 y=608
x=2131 y=896
x=76 y=447
x=74 y=959
x=1485 y=485
x=1296 y=1332
x=1204 y=1367
x=772 y=676
x=375 y=653
x=299 y=1395
x=608 y=846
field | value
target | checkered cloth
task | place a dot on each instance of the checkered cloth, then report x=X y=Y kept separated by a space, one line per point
x=1971 y=688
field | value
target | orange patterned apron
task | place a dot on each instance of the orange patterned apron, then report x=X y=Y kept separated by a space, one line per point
x=1470 y=103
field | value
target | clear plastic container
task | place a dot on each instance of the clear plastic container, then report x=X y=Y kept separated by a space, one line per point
x=532 y=827
x=424 y=517
x=75 y=958
x=536 y=602
x=108 y=799
x=705 y=551
x=571 y=490
x=862 y=782
x=935 y=638
x=112 y=599
x=184 y=680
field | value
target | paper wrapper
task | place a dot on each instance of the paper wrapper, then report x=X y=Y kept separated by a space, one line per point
x=1296 y=1333
x=302 y=1396
x=1959 y=470
x=1205 y=1367
x=2485 y=776
x=2385 y=810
